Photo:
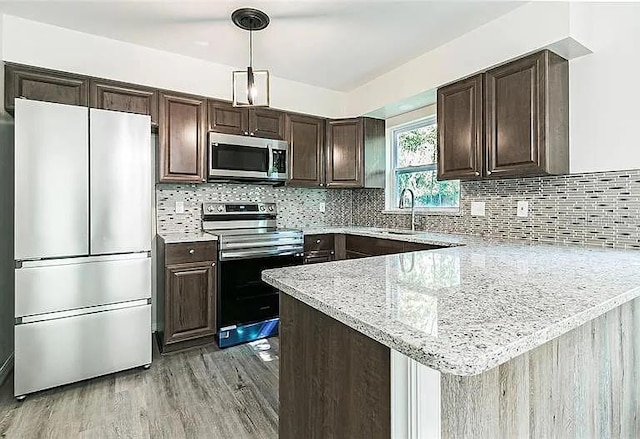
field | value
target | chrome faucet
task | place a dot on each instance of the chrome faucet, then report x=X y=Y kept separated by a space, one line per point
x=413 y=210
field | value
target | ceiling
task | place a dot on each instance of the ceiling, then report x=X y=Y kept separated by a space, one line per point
x=336 y=45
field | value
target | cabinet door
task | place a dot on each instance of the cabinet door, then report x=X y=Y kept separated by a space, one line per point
x=225 y=118
x=266 y=123
x=320 y=256
x=128 y=98
x=306 y=144
x=190 y=302
x=344 y=155
x=182 y=138
x=44 y=85
x=460 y=140
x=514 y=106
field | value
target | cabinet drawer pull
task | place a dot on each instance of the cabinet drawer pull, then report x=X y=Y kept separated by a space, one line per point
x=317 y=241
x=191 y=251
x=488 y=172
x=246 y=133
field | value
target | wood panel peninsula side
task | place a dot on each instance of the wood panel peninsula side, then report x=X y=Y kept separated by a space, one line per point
x=479 y=339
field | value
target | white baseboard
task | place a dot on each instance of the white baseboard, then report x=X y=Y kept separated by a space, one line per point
x=6 y=369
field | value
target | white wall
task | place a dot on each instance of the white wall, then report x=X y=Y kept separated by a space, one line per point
x=38 y=44
x=604 y=109
x=515 y=33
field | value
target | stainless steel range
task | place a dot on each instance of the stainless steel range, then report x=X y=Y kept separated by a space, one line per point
x=248 y=243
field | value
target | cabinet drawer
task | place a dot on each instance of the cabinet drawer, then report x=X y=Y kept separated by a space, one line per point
x=318 y=242
x=186 y=252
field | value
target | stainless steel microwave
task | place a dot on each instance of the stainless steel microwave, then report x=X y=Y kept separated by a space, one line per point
x=240 y=158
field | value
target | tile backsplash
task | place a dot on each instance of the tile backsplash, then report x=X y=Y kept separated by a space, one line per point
x=600 y=209
x=297 y=207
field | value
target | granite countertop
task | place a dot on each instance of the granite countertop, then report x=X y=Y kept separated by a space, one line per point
x=468 y=307
x=178 y=237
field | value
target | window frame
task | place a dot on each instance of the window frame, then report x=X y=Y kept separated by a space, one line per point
x=391 y=200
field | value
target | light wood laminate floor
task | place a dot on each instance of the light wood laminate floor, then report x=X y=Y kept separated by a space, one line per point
x=199 y=393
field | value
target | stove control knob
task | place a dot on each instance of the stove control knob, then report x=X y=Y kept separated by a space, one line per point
x=220 y=208
x=210 y=209
x=262 y=208
x=270 y=208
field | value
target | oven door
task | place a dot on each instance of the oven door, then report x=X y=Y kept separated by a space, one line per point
x=244 y=297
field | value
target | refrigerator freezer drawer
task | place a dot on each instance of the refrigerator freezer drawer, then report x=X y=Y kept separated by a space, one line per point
x=62 y=351
x=79 y=283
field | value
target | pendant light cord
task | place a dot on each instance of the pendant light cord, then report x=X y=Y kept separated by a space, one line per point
x=251 y=45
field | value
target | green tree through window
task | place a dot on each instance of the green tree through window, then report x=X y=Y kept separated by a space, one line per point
x=415 y=167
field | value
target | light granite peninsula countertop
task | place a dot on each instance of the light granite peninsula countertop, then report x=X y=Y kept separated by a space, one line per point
x=180 y=237
x=471 y=306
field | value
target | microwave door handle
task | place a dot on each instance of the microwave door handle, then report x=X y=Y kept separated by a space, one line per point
x=270 y=149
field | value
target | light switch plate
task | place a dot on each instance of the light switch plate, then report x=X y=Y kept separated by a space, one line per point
x=179 y=206
x=477 y=208
x=323 y=207
x=523 y=209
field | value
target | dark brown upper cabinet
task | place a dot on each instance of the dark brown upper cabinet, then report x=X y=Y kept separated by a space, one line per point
x=227 y=119
x=305 y=135
x=129 y=98
x=520 y=128
x=267 y=123
x=182 y=138
x=345 y=153
x=44 y=85
x=355 y=153
x=258 y=122
x=527 y=117
x=460 y=135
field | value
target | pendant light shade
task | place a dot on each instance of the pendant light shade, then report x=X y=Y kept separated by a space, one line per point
x=250 y=87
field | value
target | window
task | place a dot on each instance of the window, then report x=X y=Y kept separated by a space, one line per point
x=413 y=165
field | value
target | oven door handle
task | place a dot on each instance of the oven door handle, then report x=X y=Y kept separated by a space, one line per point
x=296 y=250
x=261 y=244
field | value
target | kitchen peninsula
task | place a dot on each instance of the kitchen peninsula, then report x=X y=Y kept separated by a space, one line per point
x=478 y=338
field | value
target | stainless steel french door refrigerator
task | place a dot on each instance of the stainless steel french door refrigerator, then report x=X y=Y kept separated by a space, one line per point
x=83 y=188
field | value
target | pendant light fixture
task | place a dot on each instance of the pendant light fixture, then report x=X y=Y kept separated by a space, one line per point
x=250 y=87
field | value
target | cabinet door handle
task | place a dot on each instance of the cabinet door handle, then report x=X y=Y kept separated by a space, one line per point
x=252 y=133
x=477 y=173
x=246 y=133
x=321 y=184
x=317 y=241
x=191 y=251
x=488 y=172
x=213 y=265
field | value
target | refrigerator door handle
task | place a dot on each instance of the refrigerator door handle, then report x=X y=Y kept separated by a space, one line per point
x=81 y=311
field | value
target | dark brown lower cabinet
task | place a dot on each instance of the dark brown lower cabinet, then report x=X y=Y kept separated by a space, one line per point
x=186 y=294
x=190 y=305
x=330 y=247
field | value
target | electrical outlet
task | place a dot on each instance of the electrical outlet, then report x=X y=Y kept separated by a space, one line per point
x=323 y=207
x=523 y=209
x=477 y=208
x=179 y=206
